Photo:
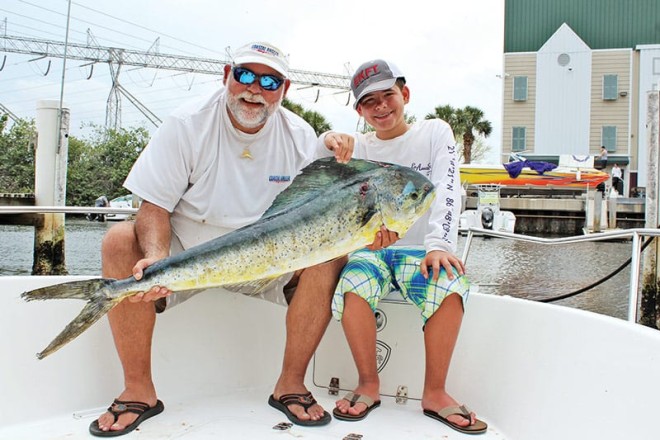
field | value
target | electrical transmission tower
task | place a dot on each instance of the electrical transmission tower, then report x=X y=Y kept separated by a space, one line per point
x=116 y=58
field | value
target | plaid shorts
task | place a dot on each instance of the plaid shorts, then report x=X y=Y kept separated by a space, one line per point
x=372 y=275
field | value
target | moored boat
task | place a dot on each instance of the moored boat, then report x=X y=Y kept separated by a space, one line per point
x=570 y=173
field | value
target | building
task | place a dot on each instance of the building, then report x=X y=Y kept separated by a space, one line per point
x=576 y=75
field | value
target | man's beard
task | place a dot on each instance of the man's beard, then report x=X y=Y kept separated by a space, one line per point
x=250 y=117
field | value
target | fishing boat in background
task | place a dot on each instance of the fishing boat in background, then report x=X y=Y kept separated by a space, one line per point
x=121 y=202
x=488 y=214
x=572 y=172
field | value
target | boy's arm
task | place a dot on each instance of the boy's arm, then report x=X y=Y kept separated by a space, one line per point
x=340 y=144
x=442 y=233
x=441 y=239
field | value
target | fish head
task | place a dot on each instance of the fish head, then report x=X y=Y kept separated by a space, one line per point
x=404 y=195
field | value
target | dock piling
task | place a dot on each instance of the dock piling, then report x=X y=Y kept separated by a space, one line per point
x=650 y=304
x=50 y=187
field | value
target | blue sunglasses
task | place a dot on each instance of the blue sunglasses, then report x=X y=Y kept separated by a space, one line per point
x=247 y=77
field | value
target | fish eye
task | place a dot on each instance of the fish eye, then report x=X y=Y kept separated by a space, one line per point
x=414 y=196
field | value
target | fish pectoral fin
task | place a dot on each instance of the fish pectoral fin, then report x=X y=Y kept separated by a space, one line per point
x=253 y=287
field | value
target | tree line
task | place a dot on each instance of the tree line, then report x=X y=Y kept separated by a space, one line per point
x=99 y=163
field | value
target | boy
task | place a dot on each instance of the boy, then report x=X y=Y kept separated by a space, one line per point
x=422 y=265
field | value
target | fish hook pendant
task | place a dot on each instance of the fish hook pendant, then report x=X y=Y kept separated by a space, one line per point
x=246 y=154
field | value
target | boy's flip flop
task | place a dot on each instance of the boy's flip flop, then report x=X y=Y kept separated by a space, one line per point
x=479 y=426
x=120 y=407
x=353 y=398
x=306 y=400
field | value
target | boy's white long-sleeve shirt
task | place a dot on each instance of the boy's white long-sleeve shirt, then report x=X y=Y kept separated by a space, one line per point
x=429 y=148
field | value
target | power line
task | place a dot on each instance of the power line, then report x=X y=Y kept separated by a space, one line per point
x=143 y=27
x=116 y=58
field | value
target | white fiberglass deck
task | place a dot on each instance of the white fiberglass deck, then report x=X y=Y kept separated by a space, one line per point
x=246 y=415
x=532 y=371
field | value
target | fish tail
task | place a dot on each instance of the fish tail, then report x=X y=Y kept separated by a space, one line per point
x=98 y=304
x=83 y=289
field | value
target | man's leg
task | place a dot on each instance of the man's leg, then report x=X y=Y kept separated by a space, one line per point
x=307 y=318
x=440 y=335
x=132 y=326
x=359 y=326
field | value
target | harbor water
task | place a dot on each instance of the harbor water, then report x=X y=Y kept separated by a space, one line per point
x=497 y=266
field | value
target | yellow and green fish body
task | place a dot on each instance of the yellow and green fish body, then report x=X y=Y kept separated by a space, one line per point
x=328 y=211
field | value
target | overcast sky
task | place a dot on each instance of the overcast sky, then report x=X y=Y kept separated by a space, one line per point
x=450 y=51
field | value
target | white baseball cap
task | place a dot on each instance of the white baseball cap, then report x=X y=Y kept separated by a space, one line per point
x=262 y=53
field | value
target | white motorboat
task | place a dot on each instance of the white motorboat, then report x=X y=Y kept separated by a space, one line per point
x=531 y=370
x=488 y=214
x=122 y=202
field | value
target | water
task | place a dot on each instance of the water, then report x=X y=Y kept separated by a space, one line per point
x=502 y=267
x=82 y=247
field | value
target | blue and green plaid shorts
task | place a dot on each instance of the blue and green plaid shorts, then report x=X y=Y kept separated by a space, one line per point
x=372 y=275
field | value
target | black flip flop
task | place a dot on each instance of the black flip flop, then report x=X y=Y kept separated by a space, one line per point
x=479 y=426
x=304 y=400
x=120 y=407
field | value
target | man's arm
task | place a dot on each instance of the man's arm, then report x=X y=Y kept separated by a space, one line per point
x=153 y=231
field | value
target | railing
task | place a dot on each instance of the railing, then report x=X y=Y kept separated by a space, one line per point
x=64 y=209
x=636 y=234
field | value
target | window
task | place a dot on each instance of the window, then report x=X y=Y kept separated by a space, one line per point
x=610 y=87
x=519 y=141
x=520 y=88
x=609 y=137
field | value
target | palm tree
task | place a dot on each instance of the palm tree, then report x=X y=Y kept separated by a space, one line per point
x=472 y=122
x=315 y=119
x=447 y=113
x=466 y=122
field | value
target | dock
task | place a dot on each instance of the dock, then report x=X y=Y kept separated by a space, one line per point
x=16 y=200
x=553 y=213
x=559 y=213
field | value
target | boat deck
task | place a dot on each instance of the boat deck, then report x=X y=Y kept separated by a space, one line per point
x=247 y=415
x=530 y=370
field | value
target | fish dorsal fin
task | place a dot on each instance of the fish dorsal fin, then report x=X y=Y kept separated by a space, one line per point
x=315 y=179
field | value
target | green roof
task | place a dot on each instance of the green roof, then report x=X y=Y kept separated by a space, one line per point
x=602 y=24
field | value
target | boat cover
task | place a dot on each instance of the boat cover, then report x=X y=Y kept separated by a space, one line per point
x=515 y=168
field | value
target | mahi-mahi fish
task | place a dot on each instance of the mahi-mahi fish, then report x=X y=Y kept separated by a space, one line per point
x=328 y=211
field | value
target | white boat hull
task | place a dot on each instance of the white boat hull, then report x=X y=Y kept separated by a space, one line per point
x=502 y=221
x=532 y=371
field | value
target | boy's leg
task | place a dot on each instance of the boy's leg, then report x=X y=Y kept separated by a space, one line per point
x=440 y=335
